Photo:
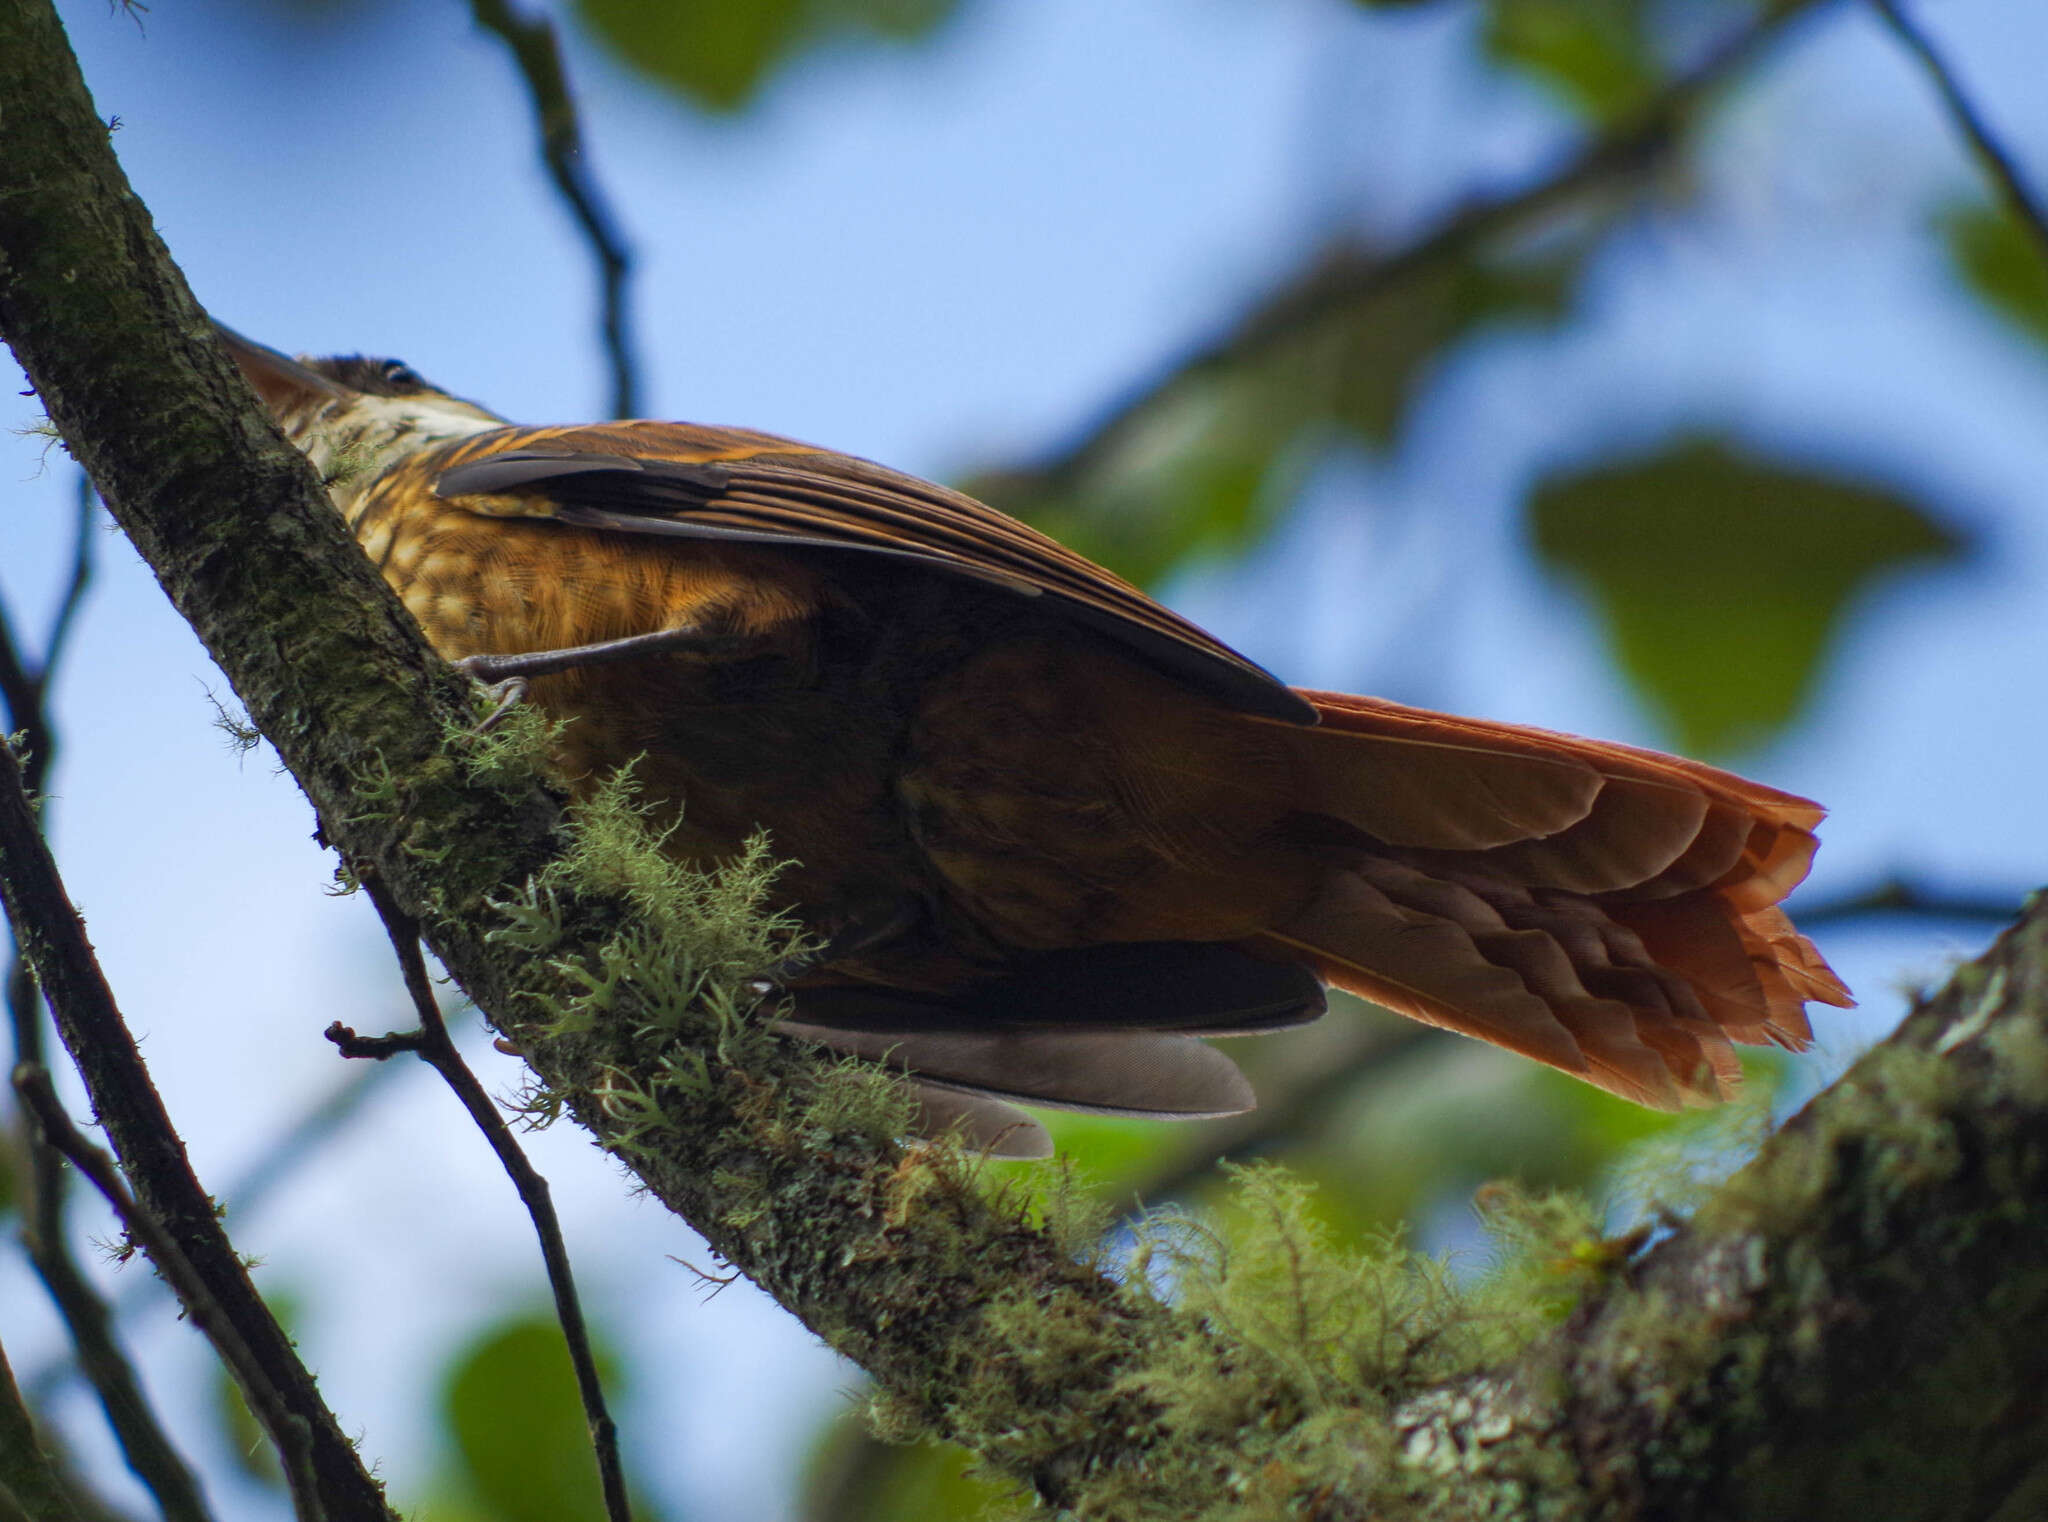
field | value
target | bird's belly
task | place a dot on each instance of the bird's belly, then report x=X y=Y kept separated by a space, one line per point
x=721 y=746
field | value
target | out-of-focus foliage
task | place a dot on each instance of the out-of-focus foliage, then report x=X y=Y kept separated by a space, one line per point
x=520 y=1447
x=1722 y=578
x=719 y=54
x=855 y=1477
x=2001 y=263
x=1594 y=54
x=1208 y=468
x=511 y=1422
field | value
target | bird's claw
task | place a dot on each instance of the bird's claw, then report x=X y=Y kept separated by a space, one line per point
x=505 y=694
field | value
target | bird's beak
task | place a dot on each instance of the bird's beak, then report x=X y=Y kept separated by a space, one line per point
x=285 y=385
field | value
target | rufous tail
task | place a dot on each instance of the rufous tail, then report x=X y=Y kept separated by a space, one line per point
x=1606 y=910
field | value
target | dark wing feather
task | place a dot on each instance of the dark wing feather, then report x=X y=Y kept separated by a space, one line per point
x=1190 y=987
x=729 y=484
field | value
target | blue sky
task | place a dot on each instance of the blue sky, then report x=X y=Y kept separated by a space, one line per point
x=946 y=259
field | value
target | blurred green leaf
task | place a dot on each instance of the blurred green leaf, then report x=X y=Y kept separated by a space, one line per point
x=905 y=20
x=720 y=52
x=2001 y=263
x=855 y=1477
x=1112 y=1148
x=1721 y=578
x=1203 y=472
x=511 y=1407
x=1374 y=357
x=1595 y=54
x=1212 y=462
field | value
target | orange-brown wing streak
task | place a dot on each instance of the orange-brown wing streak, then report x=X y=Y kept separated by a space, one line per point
x=1778 y=842
x=1365 y=715
x=771 y=489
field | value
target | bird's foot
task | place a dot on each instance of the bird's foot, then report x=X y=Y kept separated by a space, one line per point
x=505 y=676
x=505 y=696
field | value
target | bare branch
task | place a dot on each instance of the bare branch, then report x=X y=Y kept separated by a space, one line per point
x=1904 y=893
x=288 y=1432
x=32 y=1487
x=1339 y=280
x=1991 y=155
x=76 y=584
x=25 y=684
x=276 y=1161
x=437 y=1048
x=54 y=944
x=538 y=53
x=145 y=1446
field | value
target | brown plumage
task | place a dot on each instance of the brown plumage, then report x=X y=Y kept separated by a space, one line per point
x=1051 y=829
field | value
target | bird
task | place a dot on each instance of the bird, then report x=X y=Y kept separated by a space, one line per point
x=1047 y=835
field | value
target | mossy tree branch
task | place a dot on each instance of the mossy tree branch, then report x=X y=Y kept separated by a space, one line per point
x=1855 y=1327
x=1781 y=1355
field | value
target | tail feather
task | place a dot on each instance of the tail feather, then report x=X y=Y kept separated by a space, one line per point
x=1635 y=832
x=1632 y=943
x=1425 y=966
x=1611 y=912
x=1123 y=1072
x=1407 y=785
x=984 y=1123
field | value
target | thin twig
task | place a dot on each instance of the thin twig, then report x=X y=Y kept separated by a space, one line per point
x=1991 y=155
x=117 y=1082
x=33 y=1485
x=80 y=581
x=538 y=53
x=25 y=684
x=145 y=1446
x=1349 y=276
x=276 y=1162
x=1906 y=894
x=437 y=1048
x=288 y=1431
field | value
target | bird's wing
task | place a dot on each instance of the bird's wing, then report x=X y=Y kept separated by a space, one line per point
x=730 y=484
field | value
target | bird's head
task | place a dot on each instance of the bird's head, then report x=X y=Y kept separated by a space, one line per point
x=354 y=416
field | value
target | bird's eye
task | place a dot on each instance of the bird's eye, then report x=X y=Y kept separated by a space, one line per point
x=399 y=373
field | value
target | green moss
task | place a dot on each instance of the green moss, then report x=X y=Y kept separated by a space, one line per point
x=2020 y=1048
x=507 y=757
x=1273 y=1362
